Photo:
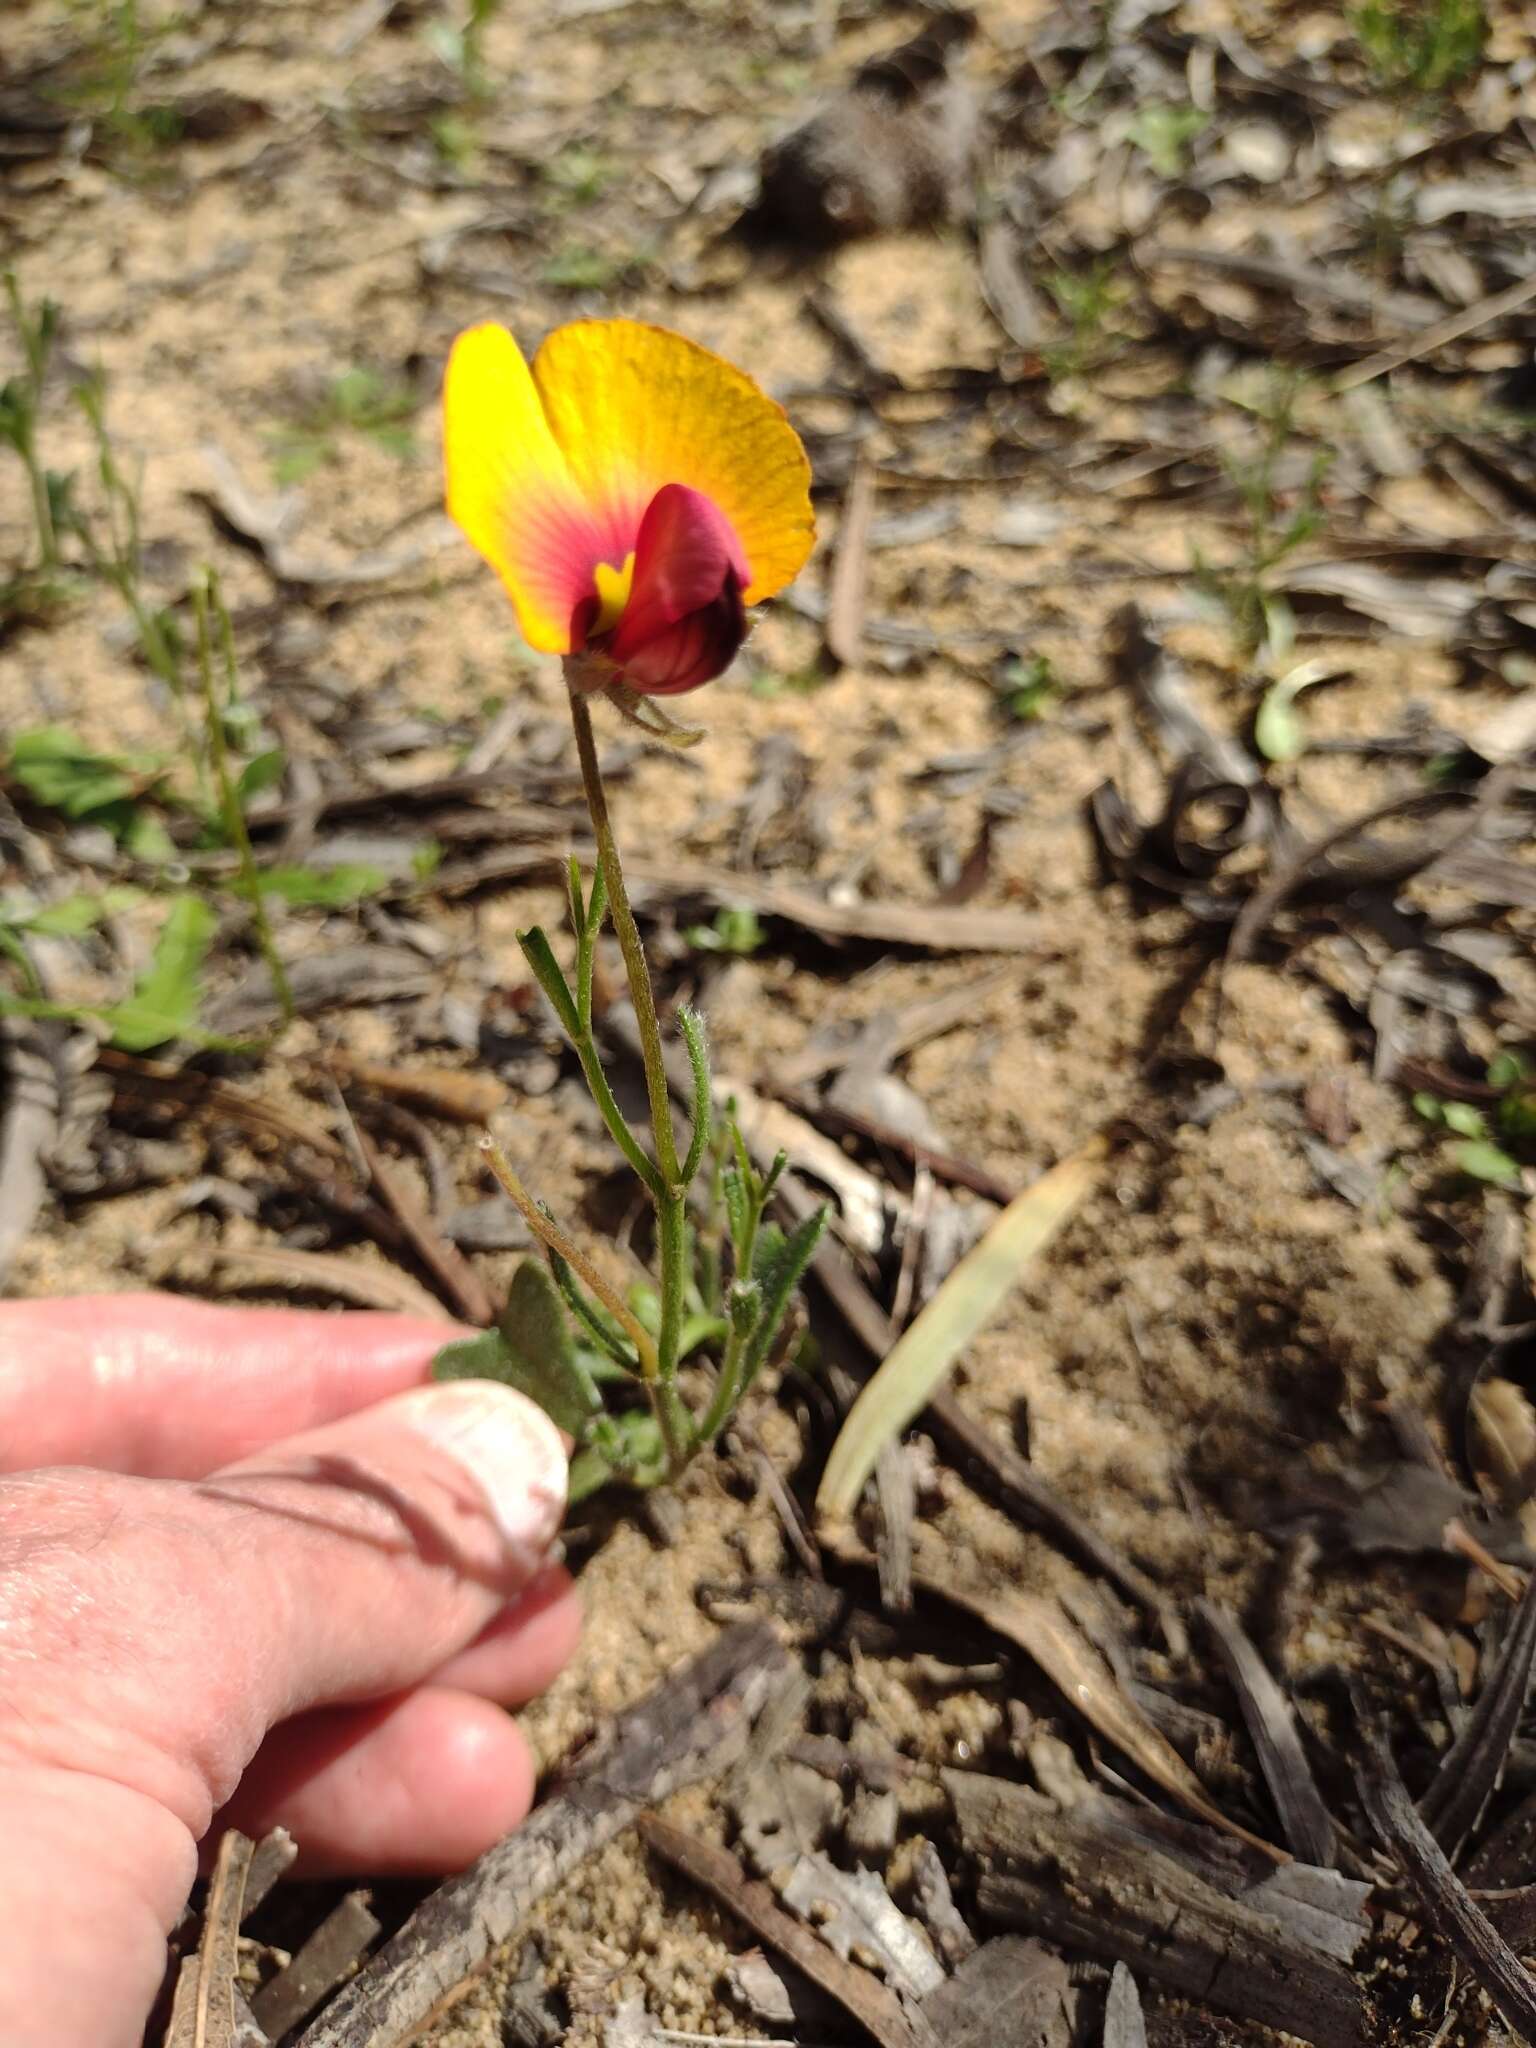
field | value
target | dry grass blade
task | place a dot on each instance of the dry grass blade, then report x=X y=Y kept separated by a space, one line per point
x=204 y=2013
x=27 y=1130
x=449 y=1092
x=1040 y=1628
x=461 y=1285
x=922 y=1357
x=1124 y=2024
x=850 y=569
x=1267 y=1711
x=1428 y=339
x=1471 y=1768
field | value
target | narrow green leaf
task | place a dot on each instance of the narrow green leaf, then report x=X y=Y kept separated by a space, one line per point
x=592 y=1315
x=332 y=888
x=164 y=1003
x=921 y=1358
x=778 y=1276
x=540 y=956
x=691 y=1024
x=1484 y=1160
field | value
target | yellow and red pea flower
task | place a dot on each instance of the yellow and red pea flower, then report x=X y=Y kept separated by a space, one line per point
x=634 y=493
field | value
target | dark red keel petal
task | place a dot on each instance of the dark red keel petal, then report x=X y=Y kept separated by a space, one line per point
x=694 y=650
x=684 y=611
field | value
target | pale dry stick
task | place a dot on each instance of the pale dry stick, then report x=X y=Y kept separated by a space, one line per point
x=1428 y=339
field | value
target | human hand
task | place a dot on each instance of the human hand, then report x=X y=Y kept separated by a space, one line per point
x=308 y=1604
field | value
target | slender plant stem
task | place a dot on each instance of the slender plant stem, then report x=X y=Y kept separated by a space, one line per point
x=549 y=1232
x=727 y=1389
x=630 y=945
x=613 y=1117
x=672 y=1234
x=204 y=599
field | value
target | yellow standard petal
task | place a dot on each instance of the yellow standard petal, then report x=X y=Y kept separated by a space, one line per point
x=511 y=489
x=634 y=407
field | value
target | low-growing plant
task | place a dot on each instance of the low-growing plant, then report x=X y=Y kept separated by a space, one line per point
x=1279 y=516
x=1490 y=1143
x=460 y=45
x=1087 y=299
x=357 y=401
x=1423 y=47
x=1164 y=132
x=633 y=495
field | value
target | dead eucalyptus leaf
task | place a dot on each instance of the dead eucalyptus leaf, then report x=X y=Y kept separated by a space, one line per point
x=921 y=1359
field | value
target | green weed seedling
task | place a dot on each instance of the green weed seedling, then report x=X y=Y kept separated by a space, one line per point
x=1164 y=133
x=1278 y=521
x=460 y=46
x=358 y=401
x=1087 y=300
x=1421 y=47
x=1492 y=1143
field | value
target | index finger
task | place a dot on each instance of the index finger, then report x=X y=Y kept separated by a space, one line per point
x=173 y=1389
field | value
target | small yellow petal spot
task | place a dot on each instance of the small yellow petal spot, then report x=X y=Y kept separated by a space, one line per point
x=613 y=587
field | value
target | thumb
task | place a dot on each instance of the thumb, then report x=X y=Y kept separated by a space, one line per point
x=151 y=1632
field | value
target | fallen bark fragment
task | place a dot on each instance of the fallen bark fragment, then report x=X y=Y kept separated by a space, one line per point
x=1471 y=1935
x=336 y=1944
x=1470 y=1770
x=874 y=2005
x=1082 y=1877
x=690 y=1728
x=1010 y=1989
x=1271 y=1723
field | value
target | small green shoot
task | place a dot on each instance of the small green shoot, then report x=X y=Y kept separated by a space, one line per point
x=1026 y=687
x=577 y=176
x=220 y=698
x=1164 y=133
x=1421 y=47
x=21 y=399
x=738 y=931
x=1280 y=517
x=1278 y=729
x=1490 y=1141
x=460 y=46
x=358 y=401
x=1087 y=300
x=579 y=267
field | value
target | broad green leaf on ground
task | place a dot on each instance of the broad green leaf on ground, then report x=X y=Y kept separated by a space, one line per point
x=56 y=768
x=531 y=1349
x=165 y=1000
x=921 y=1358
x=322 y=887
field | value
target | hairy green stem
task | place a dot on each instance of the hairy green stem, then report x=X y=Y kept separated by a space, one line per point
x=613 y=1117
x=628 y=934
x=727 y=1388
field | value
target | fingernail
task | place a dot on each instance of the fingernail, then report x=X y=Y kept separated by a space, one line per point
x=509 y=1447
